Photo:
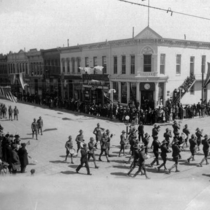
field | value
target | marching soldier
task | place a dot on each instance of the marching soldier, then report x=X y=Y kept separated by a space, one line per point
x=69 y=148
x=156 y=146
x=108 y=136
x=104 y=147
x=146 y=142
x=84 y=159
x=187 y=133
x=10 y=111
x=79 y=139
x=176 y=128
x=167 y=135
x=122 y=143
x=91 y=152
x=40 y=125
x=16 y=112
x=198 y=135
x=205 y=143
x=141 y=131
x=98 y=133
x=34 y=128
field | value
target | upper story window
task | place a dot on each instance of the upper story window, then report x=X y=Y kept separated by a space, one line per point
x=73 y=65
x=78 y=64
x=162 y=63
x=178 y=64
x=63 y=64
x=147 y=63
x=68 y=65
x=115 y=64
x=123 y=64
x=192 y=65
x=95 y=62
x=192 y=90
x=132 y=64
x=203 y=64
x=86 y=62
x=104 y=64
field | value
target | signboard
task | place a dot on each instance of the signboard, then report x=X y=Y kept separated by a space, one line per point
x=103 y=77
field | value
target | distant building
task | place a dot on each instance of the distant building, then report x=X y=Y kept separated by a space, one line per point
x=4 y=79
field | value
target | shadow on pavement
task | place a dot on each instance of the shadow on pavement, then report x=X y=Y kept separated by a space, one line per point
x=57 y=161
x=68 y=172
x=122 y=167
x=26 y=138
x=208 y=175
x=119 y=174
x=50 y=129
x=118 y=161
x=73 y=166
x=154 y=170
x=189 y=164
x=59 y=113
x=66 y=118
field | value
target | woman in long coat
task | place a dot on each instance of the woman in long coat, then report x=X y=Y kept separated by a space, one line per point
x=23 y=156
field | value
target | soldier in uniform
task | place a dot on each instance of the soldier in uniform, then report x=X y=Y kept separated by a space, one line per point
x=69 y=147
x=156 y=146
x=175 y=155
x=40 y=125
x=122 y=143
x=98 y=133
x=187 y=133
x=146 y=142
x=198 y=135
x=34 y=128
x=104 y=147
x=10 y=111
x=176 y=127
x=16 y=112
x=79 y=139
x=167 y=135
x=84 y=159
x=91 y=152
x=141 y=131
x=108 y=136
x=164 y=150
x=205 y=143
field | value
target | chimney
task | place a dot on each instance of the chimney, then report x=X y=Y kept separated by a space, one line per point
x=68 y=42
x=133 y=33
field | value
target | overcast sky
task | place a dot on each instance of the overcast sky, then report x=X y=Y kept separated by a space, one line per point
x=44 y=24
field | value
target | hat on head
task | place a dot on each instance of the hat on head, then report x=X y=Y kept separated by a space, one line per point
x=17 y=136
x=23 y=144
x=80 y=131
x=11 y=135
x=205 y=136
x=164 y=142
x=91 y=139
x=123 y=131
x=14 y=146
x=7 y=135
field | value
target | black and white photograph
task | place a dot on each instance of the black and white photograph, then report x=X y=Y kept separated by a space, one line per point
x=104 y=104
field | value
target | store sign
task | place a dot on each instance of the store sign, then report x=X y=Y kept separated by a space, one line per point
x=147 y=86
x=103 y=77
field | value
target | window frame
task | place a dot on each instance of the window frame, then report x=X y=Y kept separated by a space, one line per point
x=123 y=64
x=162 y=65
x=147 y=65
x=132 y=66
x=178 y=64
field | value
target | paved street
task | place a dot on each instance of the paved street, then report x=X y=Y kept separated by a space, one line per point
x=55 y=184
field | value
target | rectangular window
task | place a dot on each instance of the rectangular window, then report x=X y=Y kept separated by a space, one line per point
x=73 y=65
x=78 y=64
x=203 y=67
x=132 y=64
x=115 y=64
x=68 y=66
x=124 y=92
x=192 y=90
x=95 y=63
x=162 y=63
x=104 y=64
x=86 y=62
x=178 y=64
x=123 y=64
x=147 y=63
x=192 y=64
x=133 y=91
x=63 y=66
x=115 y=94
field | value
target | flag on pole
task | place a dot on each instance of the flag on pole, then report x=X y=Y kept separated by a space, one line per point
x=98 y=69
x=23 y=84
x=106 y=97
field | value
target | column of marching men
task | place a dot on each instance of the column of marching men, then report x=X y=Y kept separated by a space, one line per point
x=139 y=143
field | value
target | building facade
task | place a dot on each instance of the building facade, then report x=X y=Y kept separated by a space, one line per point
x=4 y=79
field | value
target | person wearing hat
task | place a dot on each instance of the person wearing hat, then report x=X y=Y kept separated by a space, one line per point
x=198 y=135
x=69 y=148
x=156 y=146
x=155 y=131
x=187 y=133
x=98 y=133
x=141 y=131
x=108 y=136
x=79 y=139
x=167 y=135
x=205 y=143
x=34 y=128
x=132 y=141
x=15 y=161
x=175 y=127
x=193 y=144
x=91 y=153
x=175 y=154
x=10 y=111
x=16 y=112
x=104 y=147
x=17 y=140
x=164 y=150
x=84 y=159
x=23 y=157
x=146 y=142
x=122 y=143
x=40 y=125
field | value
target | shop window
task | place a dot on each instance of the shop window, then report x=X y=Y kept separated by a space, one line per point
x=104 y=64
x=78 y=64
x=123 y=64
x=192 y=64
x=162 y=63
x=178 y=64
x=133 y=91
x=132 y=64
x=115 y=64
x=95 y=62
x=115 y=95
x=147 y=63
x=86 y=62
x=123 y=92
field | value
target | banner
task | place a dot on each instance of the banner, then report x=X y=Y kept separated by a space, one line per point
x=23 y=84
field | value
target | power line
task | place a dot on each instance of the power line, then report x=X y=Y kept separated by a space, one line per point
x=169 y=10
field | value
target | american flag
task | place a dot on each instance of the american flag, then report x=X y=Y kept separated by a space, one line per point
x=6 y=93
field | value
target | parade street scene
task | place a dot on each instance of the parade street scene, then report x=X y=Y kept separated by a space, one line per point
x=104 y=104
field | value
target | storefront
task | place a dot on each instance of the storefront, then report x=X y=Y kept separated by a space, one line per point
x=95 y=88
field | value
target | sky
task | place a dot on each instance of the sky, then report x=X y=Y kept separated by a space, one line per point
x=45 y=24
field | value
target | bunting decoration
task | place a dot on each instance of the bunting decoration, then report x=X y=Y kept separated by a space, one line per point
x=23 y=84
x=6 y=93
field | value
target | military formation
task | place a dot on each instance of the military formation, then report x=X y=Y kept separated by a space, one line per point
x=8 y=113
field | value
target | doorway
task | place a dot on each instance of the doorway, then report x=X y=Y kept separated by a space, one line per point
x=147 y=99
